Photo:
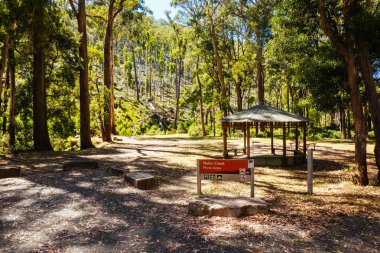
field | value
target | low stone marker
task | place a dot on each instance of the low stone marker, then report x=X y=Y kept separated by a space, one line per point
x=224 y=206
x=140 y=180
x=10 y=172
x=80 y=165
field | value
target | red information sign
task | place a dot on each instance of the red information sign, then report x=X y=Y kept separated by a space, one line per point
x=222 y=166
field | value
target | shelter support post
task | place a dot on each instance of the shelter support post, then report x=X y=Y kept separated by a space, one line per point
x=245 y=138
x=271 y=138
x=248 y=141
x=284 y=139
x=297 y=137
x=225 y=154
x=304 y=138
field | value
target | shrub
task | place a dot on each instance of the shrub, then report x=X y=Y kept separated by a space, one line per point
x=194 y=130
x=154 y=130
x=182 y=128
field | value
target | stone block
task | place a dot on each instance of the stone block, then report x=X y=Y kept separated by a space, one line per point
x=274 y=161
x=140 y=180
x=224 y=206
x=260 y=162
x=290 y=161
x=117 y=138
x=10 y=172
x=80 y=165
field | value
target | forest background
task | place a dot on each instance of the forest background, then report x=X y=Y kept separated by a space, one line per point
x=79 y=68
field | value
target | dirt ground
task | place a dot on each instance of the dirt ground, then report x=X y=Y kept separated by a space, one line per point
x=48 y=210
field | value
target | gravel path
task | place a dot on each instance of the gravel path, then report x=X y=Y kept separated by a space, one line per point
x=48 y=210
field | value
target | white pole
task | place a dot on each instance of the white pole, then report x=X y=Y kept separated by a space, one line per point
x=310 y=171
x=252 y=166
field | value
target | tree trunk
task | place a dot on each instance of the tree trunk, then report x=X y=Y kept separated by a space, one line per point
x=200 y=101
x=359 y=121
x=113 y=126
x=373 y=99
x=84 y=98
x=259 y=73
x=6 y=95
x=106 y=136
x=219 y=64
x=4 y=53
x=40 y=127
x=136 y=77
x=12 y=104
x=349 y=124
x=177 y=90
x=239 y=96
x=342 y=123
x=346 y=49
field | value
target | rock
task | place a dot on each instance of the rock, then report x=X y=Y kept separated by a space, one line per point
x=117 y=171
x=117 y=138
x=223 y=206
x=140 y=180
x=80 y=165
x=10 y=172
x=274 y=161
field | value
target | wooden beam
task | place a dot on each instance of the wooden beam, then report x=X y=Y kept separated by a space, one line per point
x=271 y=138
x=245 y=138
x=297 y=137
x=304 y=139
x=248 y=142
x=225 y=153
x=284 y=139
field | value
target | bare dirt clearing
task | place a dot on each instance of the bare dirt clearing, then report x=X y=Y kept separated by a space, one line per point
x=91 y=211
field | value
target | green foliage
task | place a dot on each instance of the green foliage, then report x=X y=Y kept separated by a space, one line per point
x=323 y=133
x=303 y=73
x=183 y=127
x=195 y=130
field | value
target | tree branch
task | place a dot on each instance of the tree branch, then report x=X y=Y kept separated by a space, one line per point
x=121 y=7
x=96 y=16
x=73 y=8
x=326 y=27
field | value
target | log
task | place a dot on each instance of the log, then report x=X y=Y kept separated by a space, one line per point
x=10 y=172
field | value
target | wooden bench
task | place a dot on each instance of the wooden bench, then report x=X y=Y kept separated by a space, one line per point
x=307 y=144
x=296 y=152
x=235 y=151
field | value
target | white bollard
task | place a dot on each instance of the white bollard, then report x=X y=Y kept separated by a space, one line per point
x=310 y=171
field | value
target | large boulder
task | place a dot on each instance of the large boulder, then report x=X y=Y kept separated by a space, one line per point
x=224 y=206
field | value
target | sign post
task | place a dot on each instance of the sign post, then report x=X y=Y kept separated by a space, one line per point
x=310 y=171
x=238 y=170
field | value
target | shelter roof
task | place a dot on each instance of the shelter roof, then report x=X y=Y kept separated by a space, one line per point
x=263 y=113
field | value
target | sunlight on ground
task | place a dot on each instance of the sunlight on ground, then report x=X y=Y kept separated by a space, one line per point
x=90 y=210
